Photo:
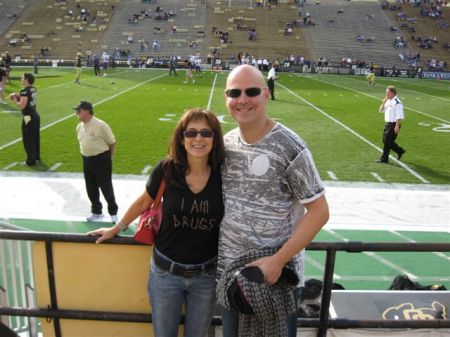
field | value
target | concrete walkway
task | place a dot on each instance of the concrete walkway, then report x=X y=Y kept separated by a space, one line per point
x=380 y=206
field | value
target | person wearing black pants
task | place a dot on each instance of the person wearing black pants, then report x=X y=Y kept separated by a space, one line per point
x=97 y=146
x=97 y=175
x=31 y=121
x=393 y=116
x=271 y=78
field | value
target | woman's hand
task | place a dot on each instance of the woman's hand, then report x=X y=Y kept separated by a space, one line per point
x=105 y=233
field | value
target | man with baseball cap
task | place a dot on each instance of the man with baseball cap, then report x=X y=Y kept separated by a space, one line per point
x=97 y=146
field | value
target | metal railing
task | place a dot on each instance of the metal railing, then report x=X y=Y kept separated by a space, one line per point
x=322 y=323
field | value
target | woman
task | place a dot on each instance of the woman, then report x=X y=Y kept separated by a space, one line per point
x=31 y=122
x=183 y=266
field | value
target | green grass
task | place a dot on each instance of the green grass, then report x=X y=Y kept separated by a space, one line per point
x=336 y=115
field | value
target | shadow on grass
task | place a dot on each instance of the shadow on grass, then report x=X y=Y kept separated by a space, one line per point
x=430 y=172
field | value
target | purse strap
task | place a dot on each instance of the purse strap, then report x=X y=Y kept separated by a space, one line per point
x=159 y=194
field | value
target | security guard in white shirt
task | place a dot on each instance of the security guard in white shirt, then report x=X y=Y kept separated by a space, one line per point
x=393 y=115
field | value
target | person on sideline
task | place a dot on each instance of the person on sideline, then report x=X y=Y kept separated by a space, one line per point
x=173 y=65
x=269 y=179
x=188 y=68
x=31 y=122
x=271 y=78
x=393 y=116
x=78 y=67
x=97 y=147
x=183 y=266
x=371 y=75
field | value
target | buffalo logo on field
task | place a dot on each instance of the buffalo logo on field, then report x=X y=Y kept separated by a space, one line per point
x=407 y=311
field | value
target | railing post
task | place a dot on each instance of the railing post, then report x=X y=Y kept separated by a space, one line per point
x=52 y=285
x=326 y=292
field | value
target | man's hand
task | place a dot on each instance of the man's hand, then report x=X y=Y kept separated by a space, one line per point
x=271 y=268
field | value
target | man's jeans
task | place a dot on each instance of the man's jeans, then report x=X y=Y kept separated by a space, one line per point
x=230 y=319
x=169 y=292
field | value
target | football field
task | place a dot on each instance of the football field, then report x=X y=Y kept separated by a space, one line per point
x=336 y=115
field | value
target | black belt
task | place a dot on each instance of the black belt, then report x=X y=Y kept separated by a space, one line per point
x=177 y=269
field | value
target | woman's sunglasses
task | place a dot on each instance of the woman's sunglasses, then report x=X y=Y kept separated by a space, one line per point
x=250 y=92
x=194 y=133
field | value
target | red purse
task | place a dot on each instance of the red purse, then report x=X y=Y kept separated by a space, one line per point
x=150 y=219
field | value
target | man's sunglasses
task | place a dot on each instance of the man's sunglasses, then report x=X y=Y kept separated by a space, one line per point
x=250 y=92
x=194 y=133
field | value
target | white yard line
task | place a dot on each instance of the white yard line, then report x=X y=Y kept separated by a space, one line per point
x=4 y=146
x=403 y=165
x=406 y=238
x=377 y=176
x=211 y=94
x=377 y=98
x=377 y=257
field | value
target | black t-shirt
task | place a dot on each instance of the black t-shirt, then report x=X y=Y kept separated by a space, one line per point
x=30 y=108
x=189 y=230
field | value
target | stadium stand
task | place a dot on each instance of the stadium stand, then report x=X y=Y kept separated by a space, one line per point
x=365 y=30
x=174 y=27
x=57 y=29
x=349 y=29
x=10 y=10
x=419 y=21
x=271 y=42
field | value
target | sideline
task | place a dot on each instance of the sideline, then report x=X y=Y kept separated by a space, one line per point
x=4 y=146
x=374 y=97
x=403 y=165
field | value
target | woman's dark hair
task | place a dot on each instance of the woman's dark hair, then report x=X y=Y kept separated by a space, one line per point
x=176 y=165
x=29 y=77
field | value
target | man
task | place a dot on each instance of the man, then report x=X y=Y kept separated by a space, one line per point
x=271 y=78
x=96 y=65
x=269 y=178
x=393 y=116
x=371 y=75
x=78 y=67
x=173 y=65
x=97 y=146
x=31 y=122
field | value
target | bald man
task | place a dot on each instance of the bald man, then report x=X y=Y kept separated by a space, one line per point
x=269 y=181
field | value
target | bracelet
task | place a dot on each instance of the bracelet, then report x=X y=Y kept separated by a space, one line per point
x=121 y=225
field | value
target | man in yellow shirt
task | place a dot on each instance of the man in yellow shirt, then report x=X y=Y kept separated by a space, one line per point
x=97 y=146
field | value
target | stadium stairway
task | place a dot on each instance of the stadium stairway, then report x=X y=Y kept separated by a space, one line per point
x=270 y=41
x=189 y=19
x=337 y=40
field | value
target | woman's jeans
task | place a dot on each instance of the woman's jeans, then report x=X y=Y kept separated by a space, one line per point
x=230 y=319
x=169 y=292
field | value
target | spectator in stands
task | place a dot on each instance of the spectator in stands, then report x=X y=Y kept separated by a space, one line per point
x=392 y=108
